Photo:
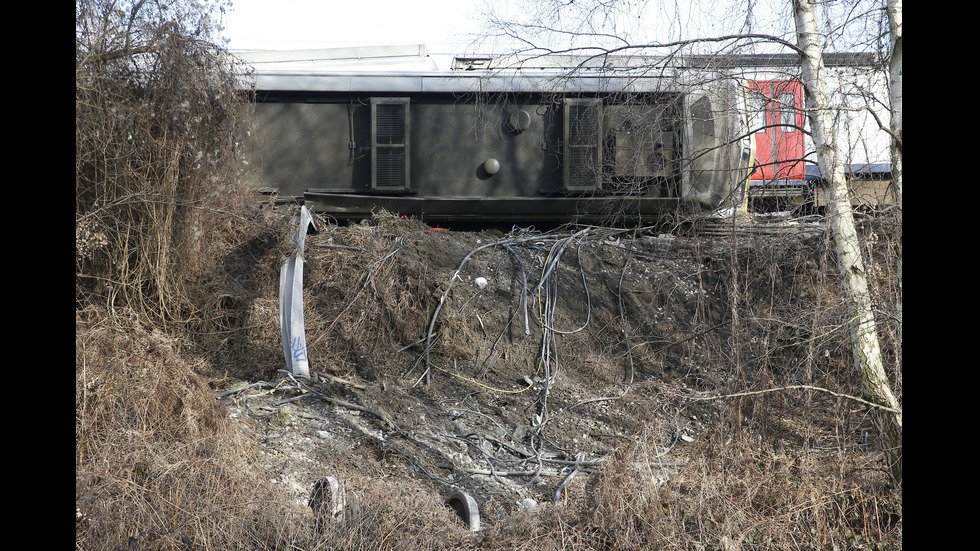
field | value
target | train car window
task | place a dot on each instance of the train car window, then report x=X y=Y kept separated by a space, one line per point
x=758 y=112
x=787 y=110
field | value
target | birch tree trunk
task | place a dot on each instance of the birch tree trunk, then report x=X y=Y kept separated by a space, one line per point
x=863 y=332
x=895 y=97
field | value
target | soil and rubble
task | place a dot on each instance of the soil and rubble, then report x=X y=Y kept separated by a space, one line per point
x=506 y=364
x=681 y=386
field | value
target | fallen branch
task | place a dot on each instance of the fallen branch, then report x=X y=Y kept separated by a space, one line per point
x=507 y=473
x=334 y=379
x=801 y=387
x=332 y=246
x=350 y=405
x=307 y=391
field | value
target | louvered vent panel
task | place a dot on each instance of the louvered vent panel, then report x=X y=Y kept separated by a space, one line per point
x=390 y=125
x=581 y=168
x=390 y=168
x=582 y=151
x=390 y=144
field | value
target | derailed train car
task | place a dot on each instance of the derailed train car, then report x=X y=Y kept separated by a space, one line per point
x=352 y=131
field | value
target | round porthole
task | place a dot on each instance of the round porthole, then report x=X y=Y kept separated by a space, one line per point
x=519 y=120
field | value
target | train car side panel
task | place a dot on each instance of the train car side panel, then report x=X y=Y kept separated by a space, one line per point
x=778 y=125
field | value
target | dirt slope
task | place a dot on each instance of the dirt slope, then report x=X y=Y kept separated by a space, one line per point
x=681 y=387
x=576 y=342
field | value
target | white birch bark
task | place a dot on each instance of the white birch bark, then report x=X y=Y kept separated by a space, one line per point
x=895 y=97
x=863 y=332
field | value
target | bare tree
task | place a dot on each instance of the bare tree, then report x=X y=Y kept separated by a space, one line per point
x=157 y=114
x=863 y=330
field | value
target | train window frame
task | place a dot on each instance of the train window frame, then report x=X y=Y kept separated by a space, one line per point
x=787 y=112
x=760 y=111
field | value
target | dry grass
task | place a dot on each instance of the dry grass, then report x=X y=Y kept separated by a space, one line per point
x=736 y=495
x=157 y=119
x=157 y=460
x=727 y=497
x=388 y=512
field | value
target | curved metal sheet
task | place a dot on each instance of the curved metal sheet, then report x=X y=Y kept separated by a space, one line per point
x=291 y=319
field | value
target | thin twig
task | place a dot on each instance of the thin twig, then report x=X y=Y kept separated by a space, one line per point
x=801 y=387
x=332 y=246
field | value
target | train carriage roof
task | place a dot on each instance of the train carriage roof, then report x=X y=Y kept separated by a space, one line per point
x=412 y=69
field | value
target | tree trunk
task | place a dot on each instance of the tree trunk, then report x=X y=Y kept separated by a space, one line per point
x=895 y=97
x=864 y=336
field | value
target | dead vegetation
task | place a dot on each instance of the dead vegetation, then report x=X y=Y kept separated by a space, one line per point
x=684 y=386
x=658 y=406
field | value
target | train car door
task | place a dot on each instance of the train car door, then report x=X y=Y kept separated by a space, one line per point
x=778 y=122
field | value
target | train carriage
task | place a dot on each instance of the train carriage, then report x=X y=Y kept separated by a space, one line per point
x=352 y=131
x=786 y=174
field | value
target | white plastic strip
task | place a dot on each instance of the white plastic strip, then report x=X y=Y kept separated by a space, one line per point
x=291 y=303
